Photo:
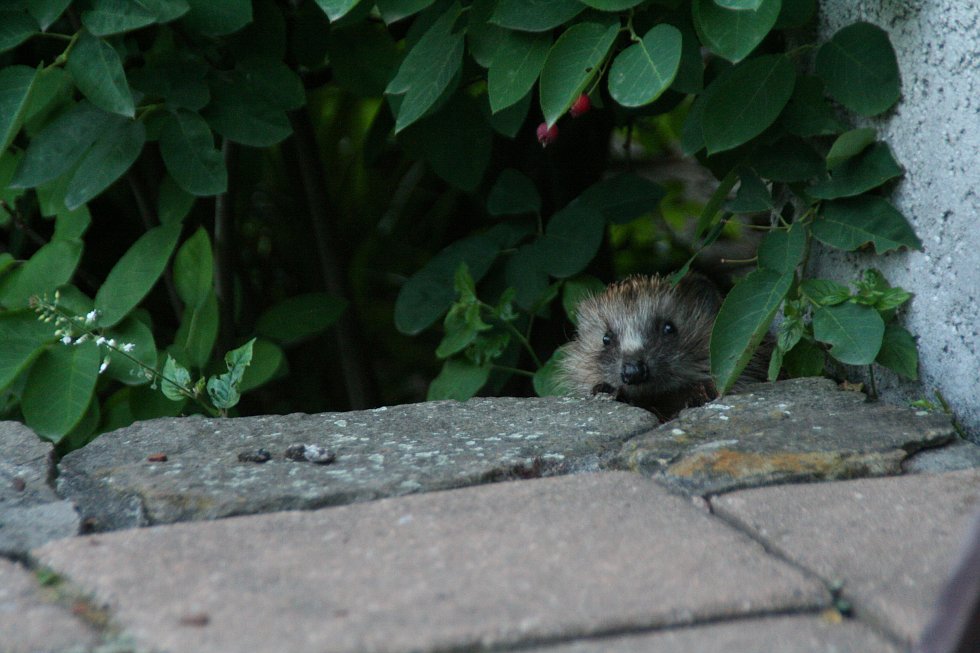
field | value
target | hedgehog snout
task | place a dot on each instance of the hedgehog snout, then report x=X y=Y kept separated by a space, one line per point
x=634 y=372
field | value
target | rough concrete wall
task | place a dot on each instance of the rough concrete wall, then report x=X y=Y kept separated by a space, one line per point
x=934 y=133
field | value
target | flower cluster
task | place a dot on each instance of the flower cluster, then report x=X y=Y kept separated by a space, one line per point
x=78 y=329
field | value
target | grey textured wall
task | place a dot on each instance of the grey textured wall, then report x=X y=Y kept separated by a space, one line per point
x=934 y=133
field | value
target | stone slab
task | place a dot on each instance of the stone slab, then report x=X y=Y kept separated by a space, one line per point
x=382 y=452
x=30 y=622
x=30 y=511
x=959 y=454
x=463 y=569
x=891 y=542
x=790 y=634
x=789 y=431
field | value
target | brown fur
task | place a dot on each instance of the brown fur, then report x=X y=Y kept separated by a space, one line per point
x=660 y=333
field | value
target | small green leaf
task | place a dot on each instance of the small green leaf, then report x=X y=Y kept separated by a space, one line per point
x=462 y=326
x=535 y=15
x=515 y=67
x=782 y=249
x=132 y=277
x=187 y=148
x=623 y=198
x=300 y=317
x=176 y=380
x=644 y=70
x=238 y=361
x=859 y=174
x=108 y=17
x=743 y=321
x=16 y=84
x=805 y=359
x=859 y=67
x=105 y=162
x=50 y=267
x=59 y=388
x=898 y=352
x=194 y=269
x=848 y=145
x=854 y=332
x=576 y=289
x=824 y=292
x=99 y=75
x=336 y=9
x=23 y=337
x=219 y=18
x=850 y=223
x=547 y=380
x=571 y=239
x=513 y=194
x=459 y=379
x=746 y=101
x=572 y=63
x=733 y=34
x=198 y=331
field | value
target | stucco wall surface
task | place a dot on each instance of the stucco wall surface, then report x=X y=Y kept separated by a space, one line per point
x=934 y=132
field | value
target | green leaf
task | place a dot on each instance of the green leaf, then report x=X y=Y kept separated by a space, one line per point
x=219 y=18
x=850 y=223
x=462 y=326
x=62 y=144
x=198 y=331
x=431 y=290
x=108 y=159
x=166 y=10
x=576 y=289
x=108 y=17
x=241 y=114
x=300 y=317
x=898 y=352
x=743 y=321
x=808 y=113
x=805 y=359
x=268 y=363
x=746 y=101
x=47 y=11
x=187 y=148
x=611 y=5
x=623 y=198
x=752 y=197
x=175 y=377
x=848 y=145
x=99 y=75
x=854 y=332
x=859 y=67
x=782 y=249
x=428 y=68
x=459 y=379
x=23 y=337
x=59 y=388
x=571 y=239
x=733 y=34
x=15 y=28
x=547 y=380
x=515 y=67
x=50 y=267
x=824 y=292
x=336 y=9
x=789 y=159
x=573 y=61
x=194 y=269
x=238 y=361
x=525 y=273
x=173 y=202
x=135 y=332
x=513 y=194
x=132 y=277
x=395 y=10
x=868 y=170
x=644 y=70
x=535 y=15
x=363 y=58
x=16 y=84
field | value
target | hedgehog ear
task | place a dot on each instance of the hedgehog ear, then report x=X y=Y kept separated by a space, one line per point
x=701 y=289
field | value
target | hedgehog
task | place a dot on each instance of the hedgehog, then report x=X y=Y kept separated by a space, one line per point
x=645 y=342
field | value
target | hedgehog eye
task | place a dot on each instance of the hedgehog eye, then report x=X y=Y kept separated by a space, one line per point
x=607 y=338
x=669 y=328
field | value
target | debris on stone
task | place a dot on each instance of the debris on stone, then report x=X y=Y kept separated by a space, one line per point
x=313 y=453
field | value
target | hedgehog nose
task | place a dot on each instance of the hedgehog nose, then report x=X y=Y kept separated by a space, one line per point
x=634 y=372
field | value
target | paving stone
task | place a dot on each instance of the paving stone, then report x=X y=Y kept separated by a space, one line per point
x=790 y=431
x=383 y=452
x=30 y=511
x=484 y=566
x=959 y=454
x=791 y=634
x=891 y=542
x=31 y=622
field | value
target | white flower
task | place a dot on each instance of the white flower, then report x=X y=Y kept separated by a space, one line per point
x=105 y=364
x=100 y=341
x=91 y=316
x=128 y=347
x=66 y=340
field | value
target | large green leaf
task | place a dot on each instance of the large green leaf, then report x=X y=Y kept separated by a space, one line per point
x=571 y=239
x=16 y=83
x=808 y=113
x=268 y=362
x=898 y=352
x=850 y=223
x=853 y=331
x=858 y=174
x=50 y=267
x=732 y=33
x=194 y=269
x=459 y=379
x=99 y=75
x=573 y=61
x=428 y=68
x=782 y=249
x=300 y=317
x=133 y=275
x=116 y=16
x=644 y=70
x=219 y=18
x=187 y=148
x=859 y=67
x=743 y=321
x=198 y=332
x=525 y=273
x=23 y=337
x=239 y=113
x=59 y=388
x=45 y=12
x=535 y=15
x=515 y=67
x=15 y=28
x=108 y=159
x=848 y=145
x=746 y=101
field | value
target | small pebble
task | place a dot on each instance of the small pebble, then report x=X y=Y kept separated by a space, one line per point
x=313 y=453
x=157 y=458
x=18 y=484
x=257 y=456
